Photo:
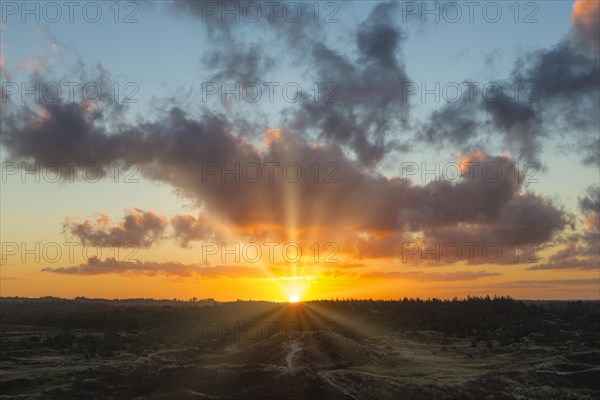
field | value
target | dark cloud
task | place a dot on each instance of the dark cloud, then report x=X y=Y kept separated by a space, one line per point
x=480 y=218
x=139 y=228
x=293 y=21
x=359 y=103
x=378 y=38
x=592 y=153
x=581 y=250
x=243 y=64
x=189 y=228
x=367 y=105
x=567 y=80
x=590 y=203
x=550 y=91
x=232 y=56
x=453 y=123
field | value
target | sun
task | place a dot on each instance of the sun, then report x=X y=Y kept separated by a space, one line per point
x=294 y=299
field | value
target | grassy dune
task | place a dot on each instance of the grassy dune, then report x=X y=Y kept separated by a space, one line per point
x=325 y=350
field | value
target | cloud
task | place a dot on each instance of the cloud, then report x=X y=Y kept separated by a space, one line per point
x=359 y=104
x=581 y=250
x=366 y=105
x=465 y=219
x=149 y=268
x=240 y=64
x=307 y=266
x=4 y=73
x=222 y=18
x=558 y=90
x=140 y=228
x=590 y=203
x=431 y=276
x=454 y=123
x=233 y=56
x=550 y=283
x=192 y=154
x=567 y=264
x=586 y=22
x=188 y=228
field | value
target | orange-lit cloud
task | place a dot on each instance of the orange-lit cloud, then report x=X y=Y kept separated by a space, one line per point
x=147 y=268
x=586 y=21
x=188 y=228
x=548 y=283
x=138 y=228
x=581 y=251
x=270 y=136
x=431 y=276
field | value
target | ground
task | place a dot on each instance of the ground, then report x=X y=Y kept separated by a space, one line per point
x=300 y=364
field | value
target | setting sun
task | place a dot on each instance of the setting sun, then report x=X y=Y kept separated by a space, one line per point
x=294 y=299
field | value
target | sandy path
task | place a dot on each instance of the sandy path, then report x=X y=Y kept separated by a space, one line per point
x=296 y=347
